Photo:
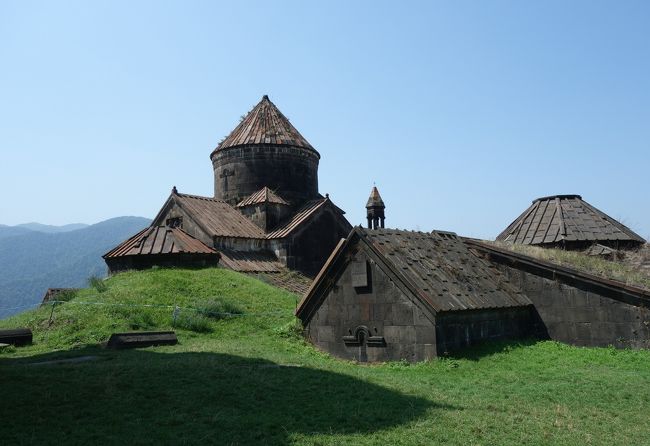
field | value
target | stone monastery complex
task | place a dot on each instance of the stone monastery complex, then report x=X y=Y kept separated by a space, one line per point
x=378 y=294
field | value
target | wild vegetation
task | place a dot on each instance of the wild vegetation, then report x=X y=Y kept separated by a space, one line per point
x=242 y=374
x=632 y=269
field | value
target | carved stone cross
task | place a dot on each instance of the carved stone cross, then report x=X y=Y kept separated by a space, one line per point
x=225 y=174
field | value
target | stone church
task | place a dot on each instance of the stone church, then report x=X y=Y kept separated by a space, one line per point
x=384 y=294
x=266 y=213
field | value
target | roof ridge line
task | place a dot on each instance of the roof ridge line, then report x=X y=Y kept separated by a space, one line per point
x=200 y=197
x=558 y=204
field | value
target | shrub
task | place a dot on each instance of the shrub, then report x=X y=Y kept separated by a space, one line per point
x=65 y=296
x=193 y=322
x=136 y=318
x=141 y=320
x=216 y=309
x=97 y=283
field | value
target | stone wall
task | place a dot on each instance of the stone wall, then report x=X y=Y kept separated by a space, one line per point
x=581 y=313
x=459 y=329
x=310 y=246
x=240 y=244
x=241 y=171
x=266 y=215
x=366 y=316
x=376 y=322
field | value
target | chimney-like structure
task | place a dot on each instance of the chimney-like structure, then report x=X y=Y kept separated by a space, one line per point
x=375 y=210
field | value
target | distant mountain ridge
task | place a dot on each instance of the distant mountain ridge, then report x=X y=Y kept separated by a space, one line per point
x=39 y=227
x=32 y=260
x=26 y=228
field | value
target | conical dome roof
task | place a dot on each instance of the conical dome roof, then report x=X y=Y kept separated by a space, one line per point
x=568 y=220
x=375 y=199
x=265 y=124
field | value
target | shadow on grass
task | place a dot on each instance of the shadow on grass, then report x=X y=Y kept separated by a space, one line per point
x=153 y=397
x=485 y=349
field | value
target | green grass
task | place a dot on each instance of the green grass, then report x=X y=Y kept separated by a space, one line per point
x=251 y=379
x=625 y=270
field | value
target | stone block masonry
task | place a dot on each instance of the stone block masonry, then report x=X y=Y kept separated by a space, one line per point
x=575 y=307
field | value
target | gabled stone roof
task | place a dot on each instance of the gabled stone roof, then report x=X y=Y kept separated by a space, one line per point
x=160 y=240
x=215 y=217
x=265 y=124
x=436 y=268
x=264 y=195
x=218 y=218
x=566 y=218
x=302 y=215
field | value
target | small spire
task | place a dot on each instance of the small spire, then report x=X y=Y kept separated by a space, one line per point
x=375 y=199
x=174 y=190
x=327 y=196
x=266 y=96
x=375 y=210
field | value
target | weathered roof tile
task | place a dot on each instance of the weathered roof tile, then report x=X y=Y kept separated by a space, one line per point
x=251 y=262
x=301 y=216
x=437 y=267
x=264 y=195
x=567 y=218
x=217 y=217
x=265 y=124
x=159 y=240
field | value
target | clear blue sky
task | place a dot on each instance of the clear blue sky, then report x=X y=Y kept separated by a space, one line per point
x=461 y=112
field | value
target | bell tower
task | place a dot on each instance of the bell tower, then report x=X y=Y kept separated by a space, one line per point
x=375 y=210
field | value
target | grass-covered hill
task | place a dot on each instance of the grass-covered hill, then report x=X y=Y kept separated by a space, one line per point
x=241 y=374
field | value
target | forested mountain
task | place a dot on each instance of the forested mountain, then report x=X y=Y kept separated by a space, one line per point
x=33 y=260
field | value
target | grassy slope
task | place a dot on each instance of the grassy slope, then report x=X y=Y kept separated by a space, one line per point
x=251 y=380
x=628 y=270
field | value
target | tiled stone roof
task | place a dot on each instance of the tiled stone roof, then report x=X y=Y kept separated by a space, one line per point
x=303 y=215
x=159 y=240
x=217 y=217
x=437 y=268
x=264 y=195
x=265 y=124
x=251 y=262
x=565 y=218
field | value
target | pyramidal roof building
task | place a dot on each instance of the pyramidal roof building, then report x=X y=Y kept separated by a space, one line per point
x=266 y=214
x=569 y=222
